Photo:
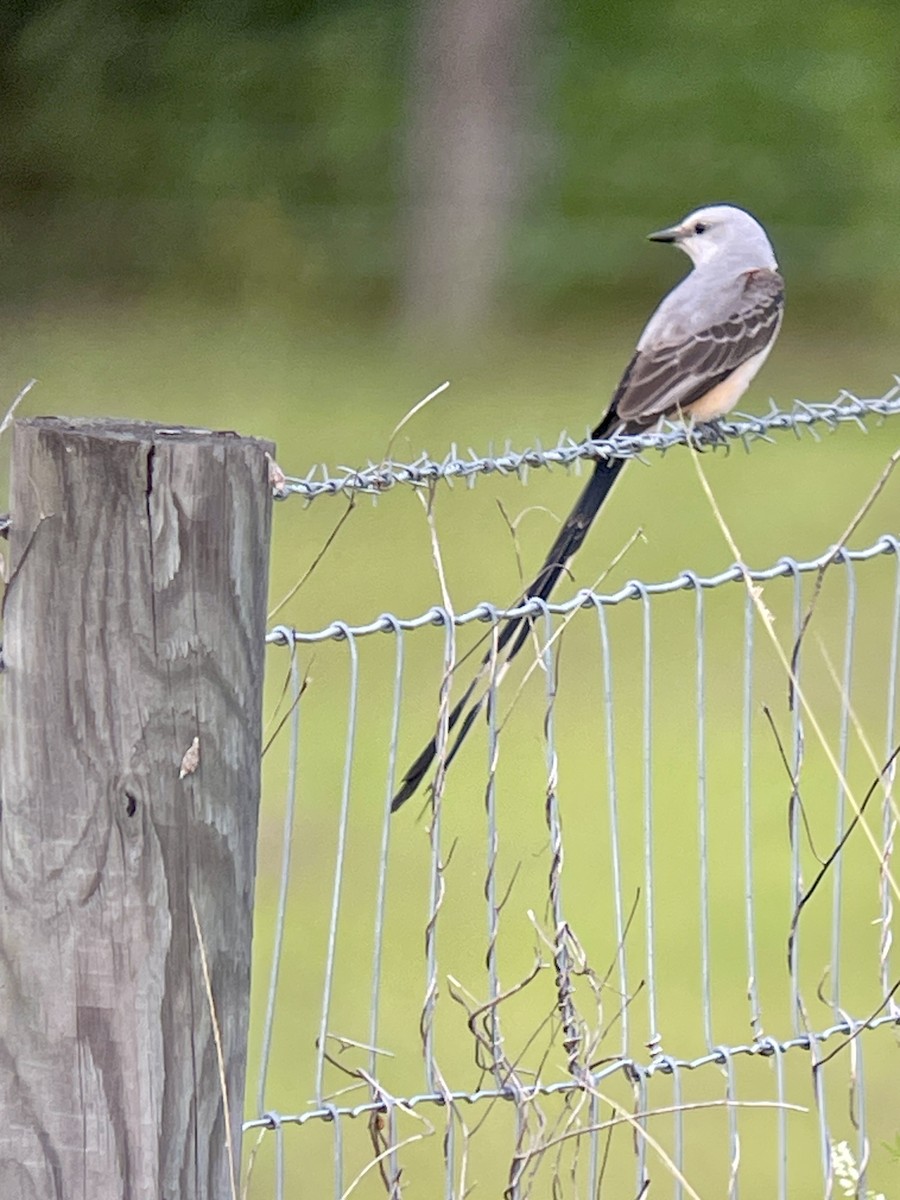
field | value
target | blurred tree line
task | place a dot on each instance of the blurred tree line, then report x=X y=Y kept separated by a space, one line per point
x=450 y=158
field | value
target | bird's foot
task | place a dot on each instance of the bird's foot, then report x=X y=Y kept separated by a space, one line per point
x=708 y=435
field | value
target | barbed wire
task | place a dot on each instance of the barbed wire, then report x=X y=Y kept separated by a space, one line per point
x=285 y=635
x=375 y=478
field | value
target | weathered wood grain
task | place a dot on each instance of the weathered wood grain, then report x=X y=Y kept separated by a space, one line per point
x=134 y=622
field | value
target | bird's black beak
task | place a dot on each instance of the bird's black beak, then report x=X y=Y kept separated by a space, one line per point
x=673 y=234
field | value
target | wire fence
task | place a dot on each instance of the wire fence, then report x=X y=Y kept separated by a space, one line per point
x=644 y=934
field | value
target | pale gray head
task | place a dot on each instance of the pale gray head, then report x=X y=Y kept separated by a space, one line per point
x=723 y=235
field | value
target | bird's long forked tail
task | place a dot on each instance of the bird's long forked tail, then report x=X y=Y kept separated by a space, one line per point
x=516 y=631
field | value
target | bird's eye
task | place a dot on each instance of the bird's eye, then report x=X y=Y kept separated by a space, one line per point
x=700 y=227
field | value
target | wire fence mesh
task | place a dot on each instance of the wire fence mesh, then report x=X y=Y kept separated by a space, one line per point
x=642 y=934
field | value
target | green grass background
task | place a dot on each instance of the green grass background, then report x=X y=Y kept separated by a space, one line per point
x=326 y=394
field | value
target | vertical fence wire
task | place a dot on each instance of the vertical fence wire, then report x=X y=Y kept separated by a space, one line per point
x=841 y=799
x=702 y=825
x=821 y=1101
x=490 y=876
x=678 y=1147
x=858 y=1113
x=624 y=990
x=642 y=1107
x=795 y=822
x=889 y=819
x=436 y=886
x=562 y=959
x=278 y=1129
x=338 y=877
x=780 y=1098
x=734 y=1137
x=287 y=844
x=747 y=806
x=593 y=1181
x=337 y=1157
x=392 y=1169
x=654 y=1039
x=449 y=1148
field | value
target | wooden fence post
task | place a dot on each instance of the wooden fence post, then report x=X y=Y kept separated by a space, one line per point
x=134 y=622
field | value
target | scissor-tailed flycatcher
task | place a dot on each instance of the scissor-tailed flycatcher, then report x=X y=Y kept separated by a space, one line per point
x=695 y=358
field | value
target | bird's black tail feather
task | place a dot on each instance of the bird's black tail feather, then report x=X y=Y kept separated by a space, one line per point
x=516 y=631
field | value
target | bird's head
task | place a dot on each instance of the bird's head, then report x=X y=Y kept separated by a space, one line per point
x=720 y=232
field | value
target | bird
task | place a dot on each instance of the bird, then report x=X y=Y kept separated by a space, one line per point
x=695 y=358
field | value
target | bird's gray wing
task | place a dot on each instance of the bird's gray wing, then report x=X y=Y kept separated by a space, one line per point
x=667 y=376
